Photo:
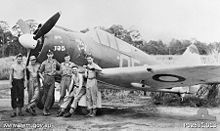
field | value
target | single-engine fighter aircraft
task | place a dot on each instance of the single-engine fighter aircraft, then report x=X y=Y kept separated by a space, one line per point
x=124 y=66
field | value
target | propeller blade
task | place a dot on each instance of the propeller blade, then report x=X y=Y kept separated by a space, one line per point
x=47 y=26
x=24 y=27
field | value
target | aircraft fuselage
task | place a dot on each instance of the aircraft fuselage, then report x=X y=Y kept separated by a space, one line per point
x=107 y=50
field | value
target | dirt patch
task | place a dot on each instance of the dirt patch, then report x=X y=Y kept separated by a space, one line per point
x=130 y=112
x=110 y=117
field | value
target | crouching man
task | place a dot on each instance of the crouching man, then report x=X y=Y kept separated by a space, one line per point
x=76 y=91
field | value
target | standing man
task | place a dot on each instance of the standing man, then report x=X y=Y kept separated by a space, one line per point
x=76 y=91
x=33 y=86
x=48 y=67
x=17 y=82
x=66 y=73
x=91 y=85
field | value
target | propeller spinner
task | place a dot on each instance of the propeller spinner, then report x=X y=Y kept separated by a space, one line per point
x=27 y=41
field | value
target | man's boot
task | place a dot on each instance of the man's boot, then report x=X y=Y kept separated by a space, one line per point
x=14 y=113
x=61 y=113
x=90 y=112
x=70 y=113
x=20 y=112
x=45 y=113
x=72 y=110
x=27 y=110
x=32 y=111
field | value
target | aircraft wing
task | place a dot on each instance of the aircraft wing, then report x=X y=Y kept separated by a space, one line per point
x=160 y=76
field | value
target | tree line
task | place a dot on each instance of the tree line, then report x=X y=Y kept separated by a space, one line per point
x=158 y=47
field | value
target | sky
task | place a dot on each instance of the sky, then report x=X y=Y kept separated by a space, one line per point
x=155 y=19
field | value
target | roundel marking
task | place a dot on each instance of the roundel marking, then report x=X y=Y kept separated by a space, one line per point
x=168 y=78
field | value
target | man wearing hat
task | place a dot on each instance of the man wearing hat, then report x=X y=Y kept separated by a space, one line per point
x=33 y=86
x=66 y=73
x=17 y=82
x=76 y=91
x=48 y=68
x=91 y=85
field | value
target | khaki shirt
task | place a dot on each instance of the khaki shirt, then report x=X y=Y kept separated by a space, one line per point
x=90 y=74
x=18 y=71
x=66 y=68
x=49 y=67
x=33 y=69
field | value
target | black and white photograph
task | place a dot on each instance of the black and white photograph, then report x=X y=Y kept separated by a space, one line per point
x=110 y=65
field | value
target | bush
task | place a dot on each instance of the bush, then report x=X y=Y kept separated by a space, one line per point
x=211 y=98
x=5 y=67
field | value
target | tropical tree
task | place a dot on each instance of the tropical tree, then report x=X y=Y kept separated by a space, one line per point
x=155 y=47
x=5 y=36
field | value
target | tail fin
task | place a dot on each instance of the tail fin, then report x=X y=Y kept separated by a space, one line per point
x=191 y=49
x=190 y=56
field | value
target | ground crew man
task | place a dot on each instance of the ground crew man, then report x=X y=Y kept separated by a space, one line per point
x=33 y=85
x=18 y=83
x=66 y=73
x=91 y=85
x=79 y=90
x=76 y=91
x=48 y=67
